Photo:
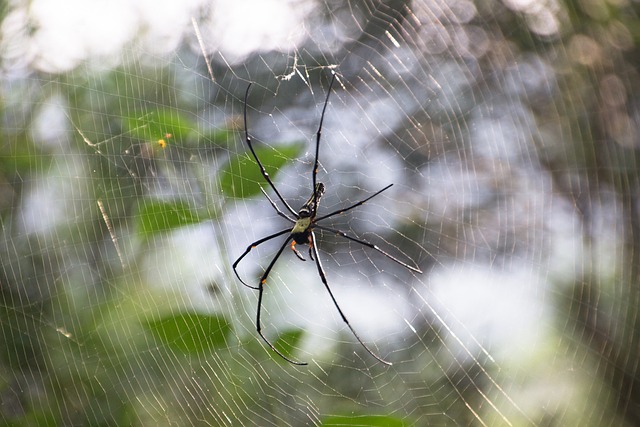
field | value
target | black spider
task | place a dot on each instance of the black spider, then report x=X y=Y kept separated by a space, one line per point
x=304 y=222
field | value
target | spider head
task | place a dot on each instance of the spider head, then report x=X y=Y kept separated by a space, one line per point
x=319 y=191
x=308 y=210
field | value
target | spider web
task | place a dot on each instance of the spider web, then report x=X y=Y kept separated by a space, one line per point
x=508 y=129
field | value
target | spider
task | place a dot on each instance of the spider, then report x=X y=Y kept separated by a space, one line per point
x=302 y=233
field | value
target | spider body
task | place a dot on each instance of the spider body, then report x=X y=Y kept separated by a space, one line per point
x=302 y=232
x=307 y=213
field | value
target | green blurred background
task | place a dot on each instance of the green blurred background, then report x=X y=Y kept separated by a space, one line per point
x=510 y=131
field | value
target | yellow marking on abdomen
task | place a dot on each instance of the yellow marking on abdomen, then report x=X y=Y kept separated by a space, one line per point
x=301 y=225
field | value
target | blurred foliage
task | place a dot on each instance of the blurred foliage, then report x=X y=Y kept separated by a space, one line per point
x=124 y=340
x=241 y=178
x=363 y=420
x=191 y=332
x=158 y=216
x=288 y=341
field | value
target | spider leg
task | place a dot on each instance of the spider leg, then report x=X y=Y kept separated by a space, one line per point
x=344 y=318
x=310 y=244
x=282 y=214
x=361 y=202
x=263 y=280
x=370 y=245
x=297 y=252
x=255 y=156
x=251 y=246
x=318 y=134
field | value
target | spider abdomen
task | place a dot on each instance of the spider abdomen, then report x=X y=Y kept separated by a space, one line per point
x=300 y=228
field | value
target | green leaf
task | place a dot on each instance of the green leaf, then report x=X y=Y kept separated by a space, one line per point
x=364 y=420
x=157 y=124
x=288 y=341
x=190 y=332
x=220 y=137
x=159 y=216
x=241 y=177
